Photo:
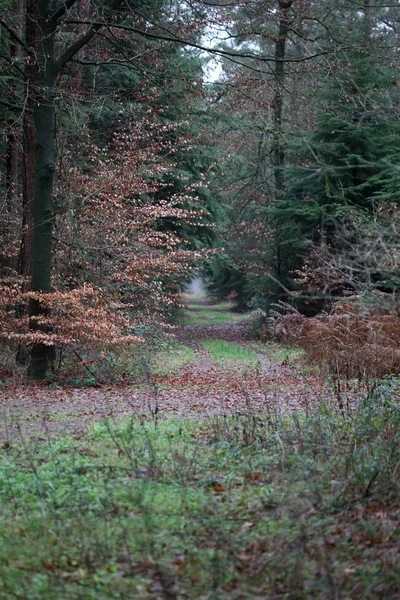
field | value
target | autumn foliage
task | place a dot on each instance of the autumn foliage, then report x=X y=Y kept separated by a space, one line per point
x=354 y=340
x=116 y=262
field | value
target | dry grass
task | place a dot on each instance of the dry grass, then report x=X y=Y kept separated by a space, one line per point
x=354 y=340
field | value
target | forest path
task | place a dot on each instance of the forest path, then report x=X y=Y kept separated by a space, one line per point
x=228 y=373
x=233 y=373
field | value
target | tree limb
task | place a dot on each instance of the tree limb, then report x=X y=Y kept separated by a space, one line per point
x=62 y=9
x=14 y=107
x=15 y=36
x=82 y=41
x=184 y=42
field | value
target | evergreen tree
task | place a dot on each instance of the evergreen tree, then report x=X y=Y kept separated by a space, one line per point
x=343 y=170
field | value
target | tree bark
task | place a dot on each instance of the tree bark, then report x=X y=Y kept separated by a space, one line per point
x=368 y=19
x=44 y=114
x=83 y=8
x=278 y=153
x=28 y=158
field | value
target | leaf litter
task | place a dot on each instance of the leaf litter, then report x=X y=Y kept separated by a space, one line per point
x=202 y=389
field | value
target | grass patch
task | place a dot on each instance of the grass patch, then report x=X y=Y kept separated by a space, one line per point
x=294 y=357
x=225 y=352
x=291 y=355
x=171 y=359
x=300 y=506
x=217 y=314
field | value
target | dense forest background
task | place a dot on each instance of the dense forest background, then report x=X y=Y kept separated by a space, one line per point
x=257 y=142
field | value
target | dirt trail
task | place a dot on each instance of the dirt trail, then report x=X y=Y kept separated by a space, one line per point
x=213 y=389
x=203 y=388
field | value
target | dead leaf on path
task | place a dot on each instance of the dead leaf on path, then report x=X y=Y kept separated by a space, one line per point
x=247 y=525
x=218 y=489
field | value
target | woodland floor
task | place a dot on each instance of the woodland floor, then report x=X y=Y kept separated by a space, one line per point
x=136 y=491
x=240 y=374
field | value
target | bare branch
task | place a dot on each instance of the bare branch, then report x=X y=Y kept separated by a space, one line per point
x=82 y=41
x=62 y=9
x=226 y=53
x=14 y=107
x=15 y=36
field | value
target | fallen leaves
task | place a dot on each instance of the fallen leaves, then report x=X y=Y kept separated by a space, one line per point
x=199 y=389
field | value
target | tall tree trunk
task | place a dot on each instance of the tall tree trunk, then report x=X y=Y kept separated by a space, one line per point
x=48 y=67
x=368 y=19
x=44 y=115
x=13 y=141
x=278 y=153
x=28 y=158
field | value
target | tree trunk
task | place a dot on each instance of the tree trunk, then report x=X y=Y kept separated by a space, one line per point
x=368 y=20
x=83 y=10
x=47 y=67
x=44 y=114
x=278 y=153
x=13 y=144
x=28 y=158
x=28 y=168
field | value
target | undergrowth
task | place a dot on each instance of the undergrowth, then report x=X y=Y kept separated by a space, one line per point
x=252 y=506
x=355 y=341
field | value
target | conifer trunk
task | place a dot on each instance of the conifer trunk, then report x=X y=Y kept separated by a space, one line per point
x=368 y=19
x=44 y=114
x=278 y=154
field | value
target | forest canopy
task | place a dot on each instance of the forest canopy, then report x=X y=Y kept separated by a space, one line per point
x=257 y=142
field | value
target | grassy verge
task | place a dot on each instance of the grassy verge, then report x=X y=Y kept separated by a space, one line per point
x=293 y=357
x=302 y=506
x=225 y=353
x=200 y=314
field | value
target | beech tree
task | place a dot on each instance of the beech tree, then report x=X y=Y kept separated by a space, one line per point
x=57 y=34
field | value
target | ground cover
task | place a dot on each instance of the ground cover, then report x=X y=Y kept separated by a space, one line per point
x=171 y=359
x=228 y=471
x=225 y=353
x=200 y=314
x=250 y=506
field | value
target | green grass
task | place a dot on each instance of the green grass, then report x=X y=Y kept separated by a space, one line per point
x=171 y=359
x=216 y=314
x=252 y=506
x=294 y=357
x=227 y=353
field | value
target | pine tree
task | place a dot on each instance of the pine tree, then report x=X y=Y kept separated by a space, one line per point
x=344 y=170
